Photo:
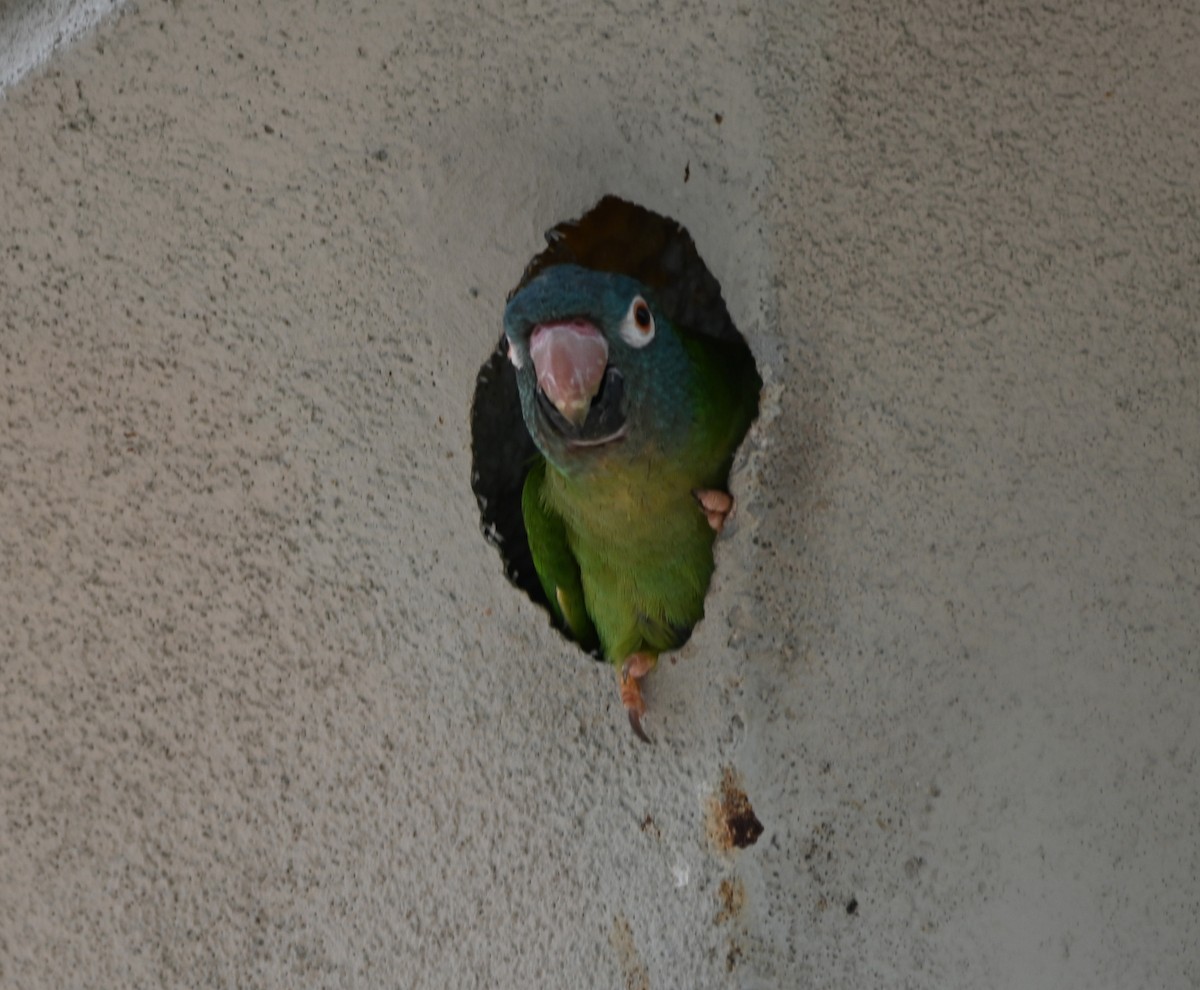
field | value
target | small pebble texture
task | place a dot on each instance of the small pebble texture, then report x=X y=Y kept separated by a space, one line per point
x=32 y=30
x=270 y=716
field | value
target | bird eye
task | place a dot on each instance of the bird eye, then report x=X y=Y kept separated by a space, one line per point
x=637 y=329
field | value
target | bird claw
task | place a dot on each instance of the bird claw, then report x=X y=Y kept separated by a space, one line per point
x=635 y=667
x=716 y=504
x=635 y=723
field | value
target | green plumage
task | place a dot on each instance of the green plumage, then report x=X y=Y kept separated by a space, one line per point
x=619 y=391
x=623 y=548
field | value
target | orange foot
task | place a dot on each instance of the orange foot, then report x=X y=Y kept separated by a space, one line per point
x=716 y=505
x=635 y=667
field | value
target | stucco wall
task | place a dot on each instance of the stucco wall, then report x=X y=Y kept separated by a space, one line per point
x=270 y=715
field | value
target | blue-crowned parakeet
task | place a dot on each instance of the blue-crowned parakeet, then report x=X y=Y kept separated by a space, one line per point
x=604 y=427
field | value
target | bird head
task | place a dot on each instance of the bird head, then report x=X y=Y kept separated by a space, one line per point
x=599 y=367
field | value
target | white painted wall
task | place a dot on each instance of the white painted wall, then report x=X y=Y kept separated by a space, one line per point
x=269 y=715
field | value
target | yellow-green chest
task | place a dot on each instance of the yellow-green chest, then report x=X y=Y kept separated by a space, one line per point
x=644 y=550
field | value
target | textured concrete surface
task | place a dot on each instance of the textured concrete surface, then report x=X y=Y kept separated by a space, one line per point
x=33 y=30
x=269 y=715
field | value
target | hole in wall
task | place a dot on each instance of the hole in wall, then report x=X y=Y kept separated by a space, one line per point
x=622 y=386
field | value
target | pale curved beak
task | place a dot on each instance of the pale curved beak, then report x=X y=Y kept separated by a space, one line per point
x=569 y=357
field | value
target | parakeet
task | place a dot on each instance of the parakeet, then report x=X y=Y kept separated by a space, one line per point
x=604 y=428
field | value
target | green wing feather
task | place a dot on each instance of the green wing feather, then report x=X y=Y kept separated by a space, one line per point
x=555 y=563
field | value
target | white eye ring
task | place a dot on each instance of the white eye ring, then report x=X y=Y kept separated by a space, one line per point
x=637 y=329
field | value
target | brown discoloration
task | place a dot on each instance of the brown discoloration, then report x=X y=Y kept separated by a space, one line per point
x=633 y=971
x=650 y=827
x=731 y=819
x=732 y=896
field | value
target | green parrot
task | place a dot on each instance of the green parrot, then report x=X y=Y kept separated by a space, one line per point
x=634 y=391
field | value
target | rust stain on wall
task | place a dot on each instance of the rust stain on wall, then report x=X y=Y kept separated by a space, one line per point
x=731 y=820
x=633 y=970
